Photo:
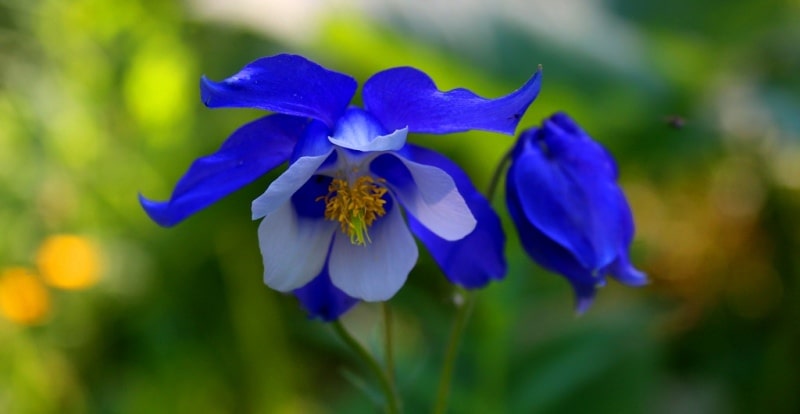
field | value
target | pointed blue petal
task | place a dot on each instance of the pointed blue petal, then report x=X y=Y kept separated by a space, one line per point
x=479 y=257
x=622 y=270
x=584 y=297
x=322 y=300
x=407 y=97
x=248 y=153
x=549 y=254
x=286 y=84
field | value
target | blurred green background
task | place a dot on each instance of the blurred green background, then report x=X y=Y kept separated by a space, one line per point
x=105 y=312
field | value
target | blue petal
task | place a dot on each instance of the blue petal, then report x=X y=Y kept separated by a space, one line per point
x=569 y=195
x=406 y=97
x=584 y=297
x=622 y=270
x=323 y=300
x=593 y=168
x=282 y=189
x=286 y=84
x=568 y=142
x=549 y=254
x=248 y=153
x=477 y=258
x=307 y=200
x=314 y=142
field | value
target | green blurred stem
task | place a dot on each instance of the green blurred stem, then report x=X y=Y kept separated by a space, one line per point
x=464 y=310
x=498 y=173
x=388 y=350
x=391 y=398
x=465 y=302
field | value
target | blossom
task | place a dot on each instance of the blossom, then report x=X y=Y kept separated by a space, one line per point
x=332 y=230
x=571 y=215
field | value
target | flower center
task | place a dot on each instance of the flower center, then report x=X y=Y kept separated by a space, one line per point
x=355 y=206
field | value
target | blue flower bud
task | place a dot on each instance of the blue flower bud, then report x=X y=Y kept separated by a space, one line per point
x=571 y=215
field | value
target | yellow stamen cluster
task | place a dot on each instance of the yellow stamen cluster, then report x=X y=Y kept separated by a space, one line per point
x=355 y=207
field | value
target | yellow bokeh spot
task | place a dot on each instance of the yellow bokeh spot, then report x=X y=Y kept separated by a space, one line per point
x=68 y=262
x=23 y=297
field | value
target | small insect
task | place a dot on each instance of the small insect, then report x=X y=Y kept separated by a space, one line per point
x=675 y=121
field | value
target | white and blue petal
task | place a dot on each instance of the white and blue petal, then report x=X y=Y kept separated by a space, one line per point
x=377 y=270
x=281 y=190
x=406 y=97
x=428 y=193
x=293 y=247
x=360 y=131
x=251 y=151
x=286 y=84
x=479 y=257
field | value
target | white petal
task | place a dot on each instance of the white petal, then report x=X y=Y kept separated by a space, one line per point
x=293 y=248
x=435 y=201
x=286 y=184
x=376 y=271
x=361 y=142
x=360 y=131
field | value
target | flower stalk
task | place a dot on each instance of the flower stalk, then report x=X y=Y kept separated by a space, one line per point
x=496 y=175
x=389 y=349
x=465 y=301
x=391 y=399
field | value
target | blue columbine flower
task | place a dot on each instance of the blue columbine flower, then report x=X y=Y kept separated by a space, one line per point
x=332 y=229
x=571 y=215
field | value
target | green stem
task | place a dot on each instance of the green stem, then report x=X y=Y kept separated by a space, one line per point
x=388 y=343
x=391 y=398
x=459 y=323
x=464 y=309
x=498 y=173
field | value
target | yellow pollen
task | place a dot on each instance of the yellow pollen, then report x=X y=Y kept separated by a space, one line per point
x=355 y=207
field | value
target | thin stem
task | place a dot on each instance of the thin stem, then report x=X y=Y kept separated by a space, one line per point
x=498 y=172
x=388 y=391
x=387 y=341
x=459 y=322
x=464 y=309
